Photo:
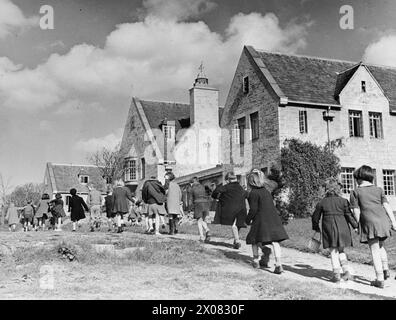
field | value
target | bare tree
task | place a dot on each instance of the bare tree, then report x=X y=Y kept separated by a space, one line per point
x=109 y=162
x=5 y=188
x=29 y=191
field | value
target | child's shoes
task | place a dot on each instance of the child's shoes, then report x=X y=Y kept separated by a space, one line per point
x=278 y=270
x=377 y=283
x=347 y=276
x=386 y=274
x=336 y=277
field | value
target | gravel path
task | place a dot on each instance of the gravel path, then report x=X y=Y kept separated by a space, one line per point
x=304 y=266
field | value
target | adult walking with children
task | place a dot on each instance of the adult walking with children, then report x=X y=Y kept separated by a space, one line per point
x=376 y=219
x=336 y=217
x=173 y=201
x=231 y=209
x=266 y=225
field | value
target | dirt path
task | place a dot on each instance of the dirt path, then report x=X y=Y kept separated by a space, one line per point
x=305 y=267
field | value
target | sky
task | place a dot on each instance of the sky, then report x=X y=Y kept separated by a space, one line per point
x=65 y=92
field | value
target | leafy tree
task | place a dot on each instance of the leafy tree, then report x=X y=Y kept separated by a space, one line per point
x=110 y=162
x=305 y=167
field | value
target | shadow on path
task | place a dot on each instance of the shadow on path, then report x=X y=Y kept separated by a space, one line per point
x=308 y=271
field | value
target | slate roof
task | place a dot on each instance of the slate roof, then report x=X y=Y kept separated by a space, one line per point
x=156 y=112
x=66 y=177
x=317 y=80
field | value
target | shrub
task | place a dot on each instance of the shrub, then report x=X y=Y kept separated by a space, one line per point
x=305 y=167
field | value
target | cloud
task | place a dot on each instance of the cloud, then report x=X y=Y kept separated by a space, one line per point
x=109 y=141
x=177 y=10
x=12 y=19
x=147 y=58
x=382 y=52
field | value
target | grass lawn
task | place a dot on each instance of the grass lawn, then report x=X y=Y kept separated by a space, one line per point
x=300 y=231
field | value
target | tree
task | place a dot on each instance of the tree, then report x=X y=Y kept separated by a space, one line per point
x=305 y=167
x=5 y=188
x=110 y=162
x=29 y=191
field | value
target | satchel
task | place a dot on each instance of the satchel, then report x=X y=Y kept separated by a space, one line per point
x=315 y=242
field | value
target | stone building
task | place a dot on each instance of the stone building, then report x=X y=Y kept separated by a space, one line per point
x=277 y=96
x=60 y=178
x=178 y=137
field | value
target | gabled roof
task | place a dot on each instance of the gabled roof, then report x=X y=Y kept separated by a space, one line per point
x=65 y=177
x=156 y=112
x=316 y=80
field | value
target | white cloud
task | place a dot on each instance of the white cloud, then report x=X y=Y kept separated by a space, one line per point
x=382 y=52
x=109 y=141
x=145 y=58
x=12 y=18
x=177 y=10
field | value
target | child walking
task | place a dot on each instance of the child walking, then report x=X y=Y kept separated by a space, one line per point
x=12 y=217
x=28 y=215
x=376 y=219
x=109 y=210
x=266 y=225
x=77 y=206
x=42 y=211
x=336 y=215
x=58 y=211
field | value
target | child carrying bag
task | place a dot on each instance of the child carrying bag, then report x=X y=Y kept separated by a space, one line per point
x=315 y=242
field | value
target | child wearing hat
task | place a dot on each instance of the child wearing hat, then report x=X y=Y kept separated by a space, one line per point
x=336 y=217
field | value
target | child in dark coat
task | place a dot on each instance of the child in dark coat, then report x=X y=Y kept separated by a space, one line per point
x=336 y=215
x=77 y=206
x=57 y=211
x=266 y=224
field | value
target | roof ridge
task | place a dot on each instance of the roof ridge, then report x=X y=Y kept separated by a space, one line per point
x=73 y=165
x=168 y=102
x=306 y=56
x=327 y=59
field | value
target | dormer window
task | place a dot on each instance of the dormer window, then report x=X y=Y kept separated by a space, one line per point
x=363 y=86
x=84 y=179
x=246 y=85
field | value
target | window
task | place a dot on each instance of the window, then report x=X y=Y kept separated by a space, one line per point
x=84 y=179
x=355 y=124
x=246 y=84
x=375 y=119
x=302 y=121
x=130 y=170
x=108 y=180
x=143 y=168
x=254 y=123
x=389 y=182
x=241 y=128
x=168 y=132
x=347 y=180
x=363 y=86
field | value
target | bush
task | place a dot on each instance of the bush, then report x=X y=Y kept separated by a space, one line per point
x=305 y=167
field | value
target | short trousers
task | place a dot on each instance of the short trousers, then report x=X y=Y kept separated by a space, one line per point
x=154 y=209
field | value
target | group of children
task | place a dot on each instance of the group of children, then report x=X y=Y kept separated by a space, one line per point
x=35 y=217
x=368 y=213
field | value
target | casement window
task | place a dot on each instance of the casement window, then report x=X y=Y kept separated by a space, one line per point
x=241 y=128
x=168 y=132
x=302 y=121
x=389 y=182
x=355 y=123
x=363 y=86
x=246 y=85
x=376 y=130
x=254 y=124
x=84 y=179
x=143 y=168
x=130 y=170
x=347 y=180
